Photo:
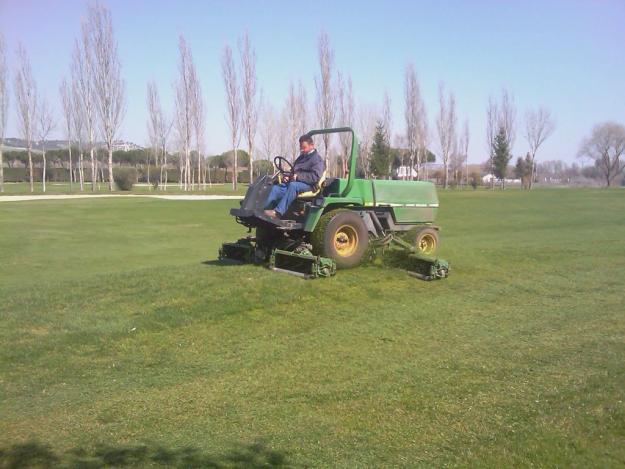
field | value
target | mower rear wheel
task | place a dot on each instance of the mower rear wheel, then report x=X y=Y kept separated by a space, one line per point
x=427 y=241
x=342 y=236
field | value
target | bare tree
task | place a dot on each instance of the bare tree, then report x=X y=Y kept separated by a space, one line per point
x=4 y=104
x=79 y=128
x=285 y=141
x=292 y=113
x=538 y=127
x=268 y=131
x=459 y=161
x=250 y=102
x=197 y=116
x=68 y=117
x=85 y=104
x=165 y=130
x=295 y=113
x=387 y=121
x=109 y=85
x=158 y=131
x=302 y=107
x=345 y=99
x=233 y=114
x=184 y=109
x=507 y=117
x=465 y=150
x=422 y=141
x=387 y=117
x=26 y=94
x=154 y=116
x=45 y=125
x=368 y=115
x=416 y=123
x=606 y=147
x=326 y=103
x=446 y=126
x=456 y=160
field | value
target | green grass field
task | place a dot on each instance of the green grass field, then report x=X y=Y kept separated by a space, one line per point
x=124 y=344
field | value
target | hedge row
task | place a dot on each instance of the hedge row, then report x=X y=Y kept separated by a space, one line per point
x=173 y=175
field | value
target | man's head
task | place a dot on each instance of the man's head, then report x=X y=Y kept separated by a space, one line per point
x=306 y=143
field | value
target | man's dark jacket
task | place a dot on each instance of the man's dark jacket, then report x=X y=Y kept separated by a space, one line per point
x=309 y=168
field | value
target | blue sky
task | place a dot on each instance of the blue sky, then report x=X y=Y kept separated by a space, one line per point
x=568 y=56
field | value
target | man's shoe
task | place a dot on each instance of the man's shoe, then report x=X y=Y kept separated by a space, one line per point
x=271 y=213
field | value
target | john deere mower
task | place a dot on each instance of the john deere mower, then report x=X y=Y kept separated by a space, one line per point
x=341 y=223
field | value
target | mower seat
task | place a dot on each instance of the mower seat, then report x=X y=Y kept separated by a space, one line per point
x=315 y=191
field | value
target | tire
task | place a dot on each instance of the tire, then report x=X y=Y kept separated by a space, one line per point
x=426 y=241
x=342 y=236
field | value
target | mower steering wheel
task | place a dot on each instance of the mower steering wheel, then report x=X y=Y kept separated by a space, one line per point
x=283 y=166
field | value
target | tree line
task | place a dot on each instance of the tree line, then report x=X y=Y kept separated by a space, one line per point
x=93 y=103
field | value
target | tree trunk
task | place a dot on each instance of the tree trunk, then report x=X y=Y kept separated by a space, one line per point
x=235 y=171
x=148 y=175
x=111 y=168
x=199 y=168
x=532 y=169
x=43 y=177
x=81 y=172
x=71 y=176
x=187 y=169
x=93 y=169
x=251 y=167
x=160 y=177
x=30 y=169
x=164 y=163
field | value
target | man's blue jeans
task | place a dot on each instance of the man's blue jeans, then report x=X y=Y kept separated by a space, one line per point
x=282 y=195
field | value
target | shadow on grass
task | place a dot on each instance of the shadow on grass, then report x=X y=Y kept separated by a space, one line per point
x=224 y=263
x=37 y=455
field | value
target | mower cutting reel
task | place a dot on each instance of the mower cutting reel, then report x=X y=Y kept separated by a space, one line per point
x=301 y=264
x=298 y=261
x=242 y=251
x=427 y=268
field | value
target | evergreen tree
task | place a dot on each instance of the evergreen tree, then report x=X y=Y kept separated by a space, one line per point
x=501 y=156
x=380 y=153
x=523 y=170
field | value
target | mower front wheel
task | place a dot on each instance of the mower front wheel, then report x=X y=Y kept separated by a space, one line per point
x=342 y=236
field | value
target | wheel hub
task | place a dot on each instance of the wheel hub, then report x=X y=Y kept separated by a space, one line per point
x=345 y=240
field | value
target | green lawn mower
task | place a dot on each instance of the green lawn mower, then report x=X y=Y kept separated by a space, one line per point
x=341 y=223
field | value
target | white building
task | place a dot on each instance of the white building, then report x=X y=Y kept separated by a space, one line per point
x=491 y=177
x=120 y=145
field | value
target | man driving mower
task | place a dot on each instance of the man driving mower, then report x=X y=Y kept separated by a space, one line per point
x=307 y=171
